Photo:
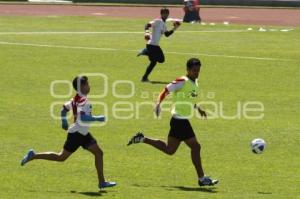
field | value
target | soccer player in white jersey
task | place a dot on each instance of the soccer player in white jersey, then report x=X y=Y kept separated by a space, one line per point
x=185 y=92
x=78 y=132
x=153 y=50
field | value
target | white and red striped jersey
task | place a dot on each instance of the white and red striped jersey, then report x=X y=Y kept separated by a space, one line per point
x=79 y=105
x=174 y=86
x=177 y=84
x=158 y=29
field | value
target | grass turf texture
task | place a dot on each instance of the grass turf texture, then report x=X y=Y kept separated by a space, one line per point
x=141 y=171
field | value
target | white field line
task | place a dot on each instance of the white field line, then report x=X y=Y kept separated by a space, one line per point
x=130 y=50
x=230 y=56
x=111 y=32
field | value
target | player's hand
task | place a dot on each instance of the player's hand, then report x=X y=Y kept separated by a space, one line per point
x=147 y=36
x=202 y=113
x=157 y=110
x=176 y=24
x=64 y=124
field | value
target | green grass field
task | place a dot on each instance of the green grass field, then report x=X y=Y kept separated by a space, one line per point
x=232 y=72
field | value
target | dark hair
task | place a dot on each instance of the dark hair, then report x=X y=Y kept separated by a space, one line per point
x=192 y=62
x=164 y=10
x=79 y=79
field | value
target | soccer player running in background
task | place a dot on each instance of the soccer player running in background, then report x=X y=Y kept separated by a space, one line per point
x=78 y=134
x=153 y=50
x=185 y=91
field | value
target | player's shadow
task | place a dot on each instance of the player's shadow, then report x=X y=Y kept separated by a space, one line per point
x=158 y=82
x=90 y=193
x=198 y=189
x=183 y=188
x=87 y=193
x=265 y=193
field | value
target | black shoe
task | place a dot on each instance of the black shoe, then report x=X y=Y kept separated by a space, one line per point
x=207 y=182
x=144 y=80
x=138 y=138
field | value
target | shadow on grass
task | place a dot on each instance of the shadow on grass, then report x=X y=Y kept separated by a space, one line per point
x=265 y=193
x=183 y=188
x=198 y=189
x=158 y=82
x=90 y=193
x=86 y=193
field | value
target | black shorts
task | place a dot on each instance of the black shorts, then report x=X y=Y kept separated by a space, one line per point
x=155 y=53
x=181 y=129
x=75 y=140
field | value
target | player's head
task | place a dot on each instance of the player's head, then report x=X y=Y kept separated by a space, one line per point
x=193 y=66
x=81 y=85
x=164 y=13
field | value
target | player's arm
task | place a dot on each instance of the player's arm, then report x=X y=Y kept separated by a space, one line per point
x=176 y=24
x=63 y=114
x=160 y=98
x=171 y=87
x=148 y=26
x=84 y=115
x=91 y=118
x=201 y=111
x=147 y=35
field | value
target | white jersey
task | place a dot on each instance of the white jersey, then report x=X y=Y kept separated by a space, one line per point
x=79 y=105
x=158 y=29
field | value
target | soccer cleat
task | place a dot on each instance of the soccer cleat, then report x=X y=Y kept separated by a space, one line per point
x=143 y=52
x=106 y=184
x=206 y=181
x=138 y=138
x=27 y=157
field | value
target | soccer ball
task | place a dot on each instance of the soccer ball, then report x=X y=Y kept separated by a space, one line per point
x=258 y=145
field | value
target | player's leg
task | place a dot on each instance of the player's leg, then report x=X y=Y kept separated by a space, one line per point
x=70 y=146
x=143 y=52
x=149 y=69
x=196 y=159
x=89 y=143
x=169 y=148
x=153 y=54
x=160 y=55
x=182 y=129
x=52 y=156
x=156 y=56
x=195 y=155
x=59 y=157
x=98 y=153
